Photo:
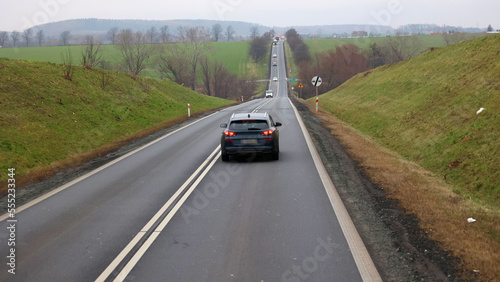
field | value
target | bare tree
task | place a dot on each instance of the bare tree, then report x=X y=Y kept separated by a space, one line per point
x=135 y=50
x=217 y=31
x=65 y=37
x=91 y=54
x=229 y=33
x=68 y=69
x=164 y=36
x=39 y=37
x=219 y=82
x=15 y=38
x=173 y=64
x=4 y=37
x=259 y=47
x=254 y=31
x=454 y=37
x=27 y=36
x=151 y=34
x=206 y=73
x=399 y=48
x=111 y=35
x=223 y=81
x=195 y=41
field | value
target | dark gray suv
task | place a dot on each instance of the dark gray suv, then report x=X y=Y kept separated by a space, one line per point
x=250 y=133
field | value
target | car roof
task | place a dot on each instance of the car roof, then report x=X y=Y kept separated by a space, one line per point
x=249 y=115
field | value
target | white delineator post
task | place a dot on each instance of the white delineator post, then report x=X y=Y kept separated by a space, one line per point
x=189 y=110
x=316 y=82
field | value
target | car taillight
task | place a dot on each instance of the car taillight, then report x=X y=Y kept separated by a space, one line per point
x=267 y=132
x=229 y=133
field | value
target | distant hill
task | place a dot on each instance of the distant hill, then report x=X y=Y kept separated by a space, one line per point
x=81 y=27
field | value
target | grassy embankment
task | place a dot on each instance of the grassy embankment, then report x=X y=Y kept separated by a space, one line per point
x=445 y=161
x=48 y=122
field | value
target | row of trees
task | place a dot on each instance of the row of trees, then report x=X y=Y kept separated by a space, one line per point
x=259 y=45
x=182 y=63
x=31 y=37
x=299 y=48
x=338 y=65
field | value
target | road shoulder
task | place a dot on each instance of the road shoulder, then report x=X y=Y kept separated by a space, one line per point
x=400 y=249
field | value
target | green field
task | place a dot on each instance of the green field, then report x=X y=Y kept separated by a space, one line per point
x=425 y=110
x=322 y=44
x=234 y=56
x=46 y=118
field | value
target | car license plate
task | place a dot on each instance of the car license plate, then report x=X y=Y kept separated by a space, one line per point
x=249 y=141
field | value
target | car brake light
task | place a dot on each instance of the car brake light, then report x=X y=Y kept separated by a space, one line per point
x=267 y=132
x=230 y=133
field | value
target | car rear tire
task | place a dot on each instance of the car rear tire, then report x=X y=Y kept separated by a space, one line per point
x=224 y=157
x=275 y=156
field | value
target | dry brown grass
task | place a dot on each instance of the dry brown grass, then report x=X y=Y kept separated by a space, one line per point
x=442 y=214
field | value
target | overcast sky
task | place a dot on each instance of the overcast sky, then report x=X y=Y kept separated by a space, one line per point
x=21 y=14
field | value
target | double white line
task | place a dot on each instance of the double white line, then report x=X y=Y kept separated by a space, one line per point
x=176 y=201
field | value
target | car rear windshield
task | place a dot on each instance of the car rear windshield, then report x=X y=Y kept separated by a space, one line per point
x=249 y=124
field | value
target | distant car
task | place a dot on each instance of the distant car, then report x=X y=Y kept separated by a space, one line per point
x=269 y=94
x=275 y=64
x=275 y=56
x=250 y=133
x=275 y=78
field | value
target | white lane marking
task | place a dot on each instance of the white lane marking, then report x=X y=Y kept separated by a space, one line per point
x=107 y=272
x=69 y=184
x=362 y=258
x=142 y=250
x=137 y=256
x=260 y=106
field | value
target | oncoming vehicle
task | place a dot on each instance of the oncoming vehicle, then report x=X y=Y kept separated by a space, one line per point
x=250 y=133
x=269 y=94
x=275 y=78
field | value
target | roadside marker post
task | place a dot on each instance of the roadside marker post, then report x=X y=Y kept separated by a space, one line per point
x=316 y=82
x=189 y=110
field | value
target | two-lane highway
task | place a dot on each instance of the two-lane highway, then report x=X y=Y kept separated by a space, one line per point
x=173 y=211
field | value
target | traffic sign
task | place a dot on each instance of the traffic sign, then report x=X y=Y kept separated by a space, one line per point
x=292 y=79
x=316 y=81
x=300 y=85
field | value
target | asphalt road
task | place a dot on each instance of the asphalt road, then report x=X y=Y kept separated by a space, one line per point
x=173 y=211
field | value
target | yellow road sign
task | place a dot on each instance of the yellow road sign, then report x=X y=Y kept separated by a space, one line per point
x=300 y=85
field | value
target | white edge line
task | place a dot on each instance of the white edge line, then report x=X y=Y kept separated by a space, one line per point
x=65 y=186
x=362 y=258
x=137 y=256
x=107 y=272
